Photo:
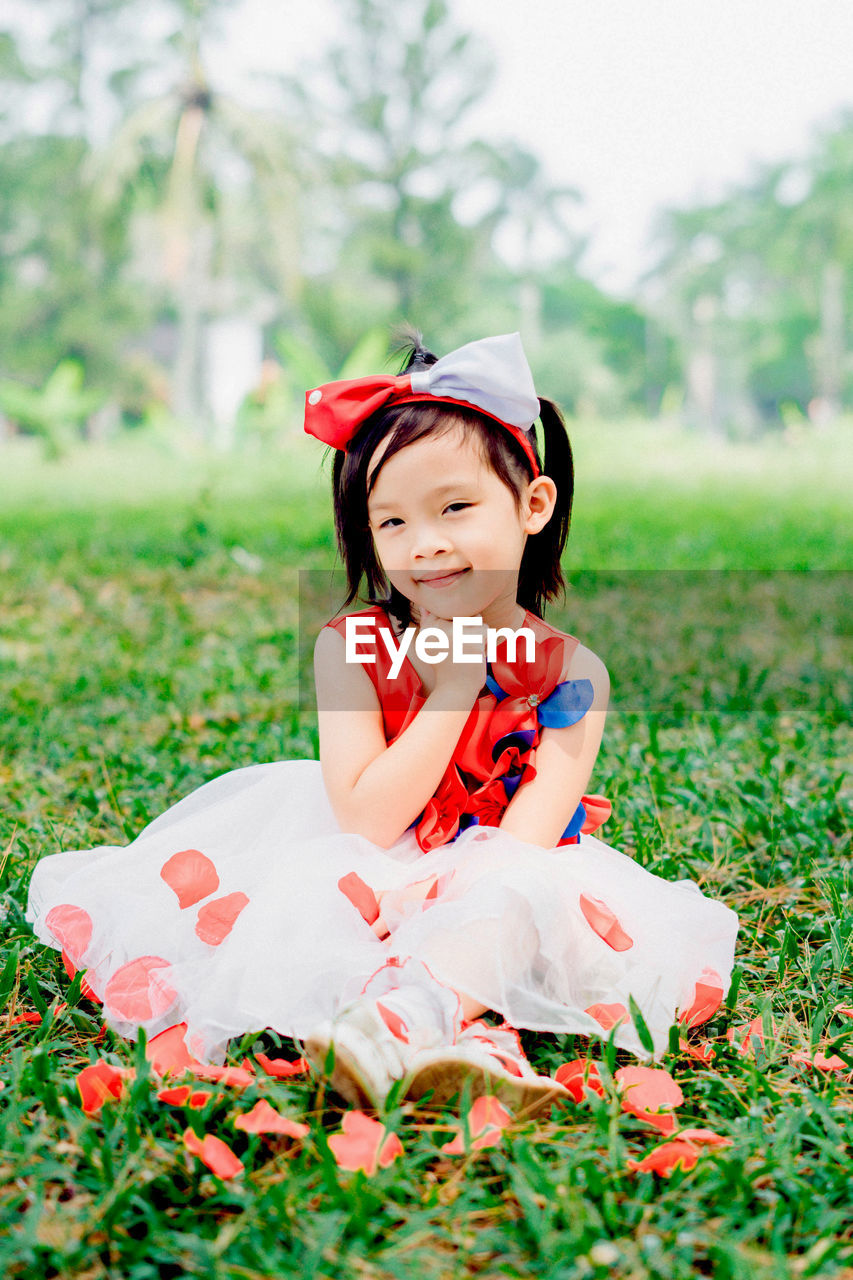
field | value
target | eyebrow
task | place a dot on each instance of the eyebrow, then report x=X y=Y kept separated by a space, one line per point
x=455 y=486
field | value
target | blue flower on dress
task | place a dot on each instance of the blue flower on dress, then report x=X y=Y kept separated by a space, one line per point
x=565 y=705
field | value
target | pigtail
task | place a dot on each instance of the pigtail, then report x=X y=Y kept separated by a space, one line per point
x=541 y=576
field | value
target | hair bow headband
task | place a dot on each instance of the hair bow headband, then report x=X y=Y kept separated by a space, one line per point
x=491 y=374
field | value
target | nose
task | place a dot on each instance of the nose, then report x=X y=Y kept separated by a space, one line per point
x=429 y=539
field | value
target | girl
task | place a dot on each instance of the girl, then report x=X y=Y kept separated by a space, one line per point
x=438 y=861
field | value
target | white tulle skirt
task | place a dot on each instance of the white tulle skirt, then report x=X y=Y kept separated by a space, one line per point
x=226 y=913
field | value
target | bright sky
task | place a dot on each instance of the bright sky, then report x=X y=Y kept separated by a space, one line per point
x=640 y=104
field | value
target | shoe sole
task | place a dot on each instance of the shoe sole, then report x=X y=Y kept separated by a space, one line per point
x=445 y=1077
x=346 y=1078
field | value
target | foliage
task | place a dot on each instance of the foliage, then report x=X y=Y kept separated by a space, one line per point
x=150 y=641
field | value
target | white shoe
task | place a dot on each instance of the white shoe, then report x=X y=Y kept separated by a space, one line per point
x=490 y=1060
x=362 y=1055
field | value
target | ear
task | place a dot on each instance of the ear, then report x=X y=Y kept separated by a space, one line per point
x=539 y=503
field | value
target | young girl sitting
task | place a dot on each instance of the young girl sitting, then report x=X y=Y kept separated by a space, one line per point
x=438 y=861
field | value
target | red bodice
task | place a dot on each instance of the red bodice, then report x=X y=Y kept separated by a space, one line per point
x=496 y=750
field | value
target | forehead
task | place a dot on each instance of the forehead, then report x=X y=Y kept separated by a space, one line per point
x=454 y=453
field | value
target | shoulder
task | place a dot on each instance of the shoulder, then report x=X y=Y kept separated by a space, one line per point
x=338 y=625
x=579 y=662
x=583 y=664
x=341 y=684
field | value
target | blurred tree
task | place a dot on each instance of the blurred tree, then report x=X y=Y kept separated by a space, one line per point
x=760 y=288
x=214 y=190
x=407 y=203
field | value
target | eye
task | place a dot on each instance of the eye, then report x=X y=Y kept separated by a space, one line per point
x=457 y=506
x=392 y=520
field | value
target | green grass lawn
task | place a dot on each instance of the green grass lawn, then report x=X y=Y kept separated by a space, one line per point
x=150 y=640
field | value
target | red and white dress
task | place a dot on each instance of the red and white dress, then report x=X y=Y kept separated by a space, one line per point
x=245 y=905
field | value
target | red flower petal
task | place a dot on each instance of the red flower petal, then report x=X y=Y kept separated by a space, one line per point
x=607 y=1015
x=705 y=1137
x=664 y=1159
x=30 y=1016
x=707 y=998
x=280 y=1068
x=361 y=896
x=578 y=1074
x=168 y=1052
x=138 y=990
x=265 y=1119
x=237 y=1077
x=364 y=1144
x=213 y=1152
x=598 y=809
x=682 y=1150
x=100 y=1082
x=755 y=1031
x=184 y=1095
x=71 y=970
x=603 y=921
x=72 y=928
x=650 y=1093
x=192 y=876
x=703 y=1053
x=216 y=918
x=820 y=1061
x=485 y=1121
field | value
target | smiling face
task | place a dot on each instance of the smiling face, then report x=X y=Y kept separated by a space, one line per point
x=448 y=532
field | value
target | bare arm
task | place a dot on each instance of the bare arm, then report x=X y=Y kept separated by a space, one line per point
x=541 y=810
x=377 y=790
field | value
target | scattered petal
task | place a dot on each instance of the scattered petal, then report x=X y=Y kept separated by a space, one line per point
x=191 y=875
x=681 y=1151
x=577 y=1075
x=72 y=928
x=650 y=1093
x=361 y=896
x=85 y=988
x=607 y=1015
x=603 y=921
x=281 y=1068
x=707 y=998
x=237 y=1077
x=213 y=1152
x=137 y=991
x=485 y=1121
x=184 y=1095
x=168 y=1052
x=216 y=918
x=100 y=1082
x=30 y=1016
x=821 y=1062
x=702 y=1052
x=844 y=1009
x=265 y=1119
x=666 y=1158
x=705 y=1137
x=364 y=1144
x=755 y=1031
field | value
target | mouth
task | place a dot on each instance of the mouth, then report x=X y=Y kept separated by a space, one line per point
x=441 y=579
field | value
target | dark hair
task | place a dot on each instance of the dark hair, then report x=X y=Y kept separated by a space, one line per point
x=540 y=576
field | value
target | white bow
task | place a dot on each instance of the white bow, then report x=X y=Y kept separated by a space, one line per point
x=492 y=374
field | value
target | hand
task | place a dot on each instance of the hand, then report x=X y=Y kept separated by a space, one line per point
x=469 y=676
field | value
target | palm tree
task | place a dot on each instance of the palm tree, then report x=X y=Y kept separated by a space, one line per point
x=219 y=183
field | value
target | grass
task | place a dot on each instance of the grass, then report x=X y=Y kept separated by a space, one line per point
x=149 y=640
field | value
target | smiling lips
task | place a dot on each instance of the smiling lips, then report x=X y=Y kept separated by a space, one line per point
x=440 y=579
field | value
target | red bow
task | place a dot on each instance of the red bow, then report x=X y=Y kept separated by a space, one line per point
x=335 y=411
